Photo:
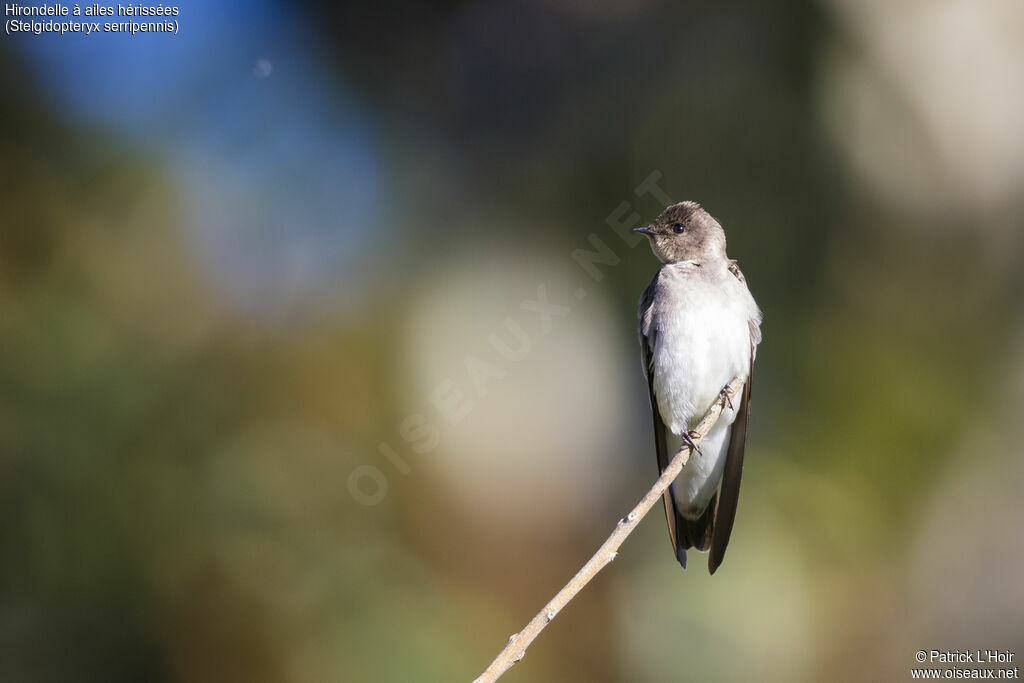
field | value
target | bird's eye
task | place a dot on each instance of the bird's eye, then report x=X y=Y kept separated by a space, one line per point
x=679 y=228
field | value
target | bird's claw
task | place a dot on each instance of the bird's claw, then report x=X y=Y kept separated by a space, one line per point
x=688 y=439
x=725 y=396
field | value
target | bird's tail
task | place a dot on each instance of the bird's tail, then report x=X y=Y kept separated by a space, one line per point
x=695 y=533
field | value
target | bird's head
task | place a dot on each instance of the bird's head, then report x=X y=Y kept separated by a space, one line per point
x=685 y=232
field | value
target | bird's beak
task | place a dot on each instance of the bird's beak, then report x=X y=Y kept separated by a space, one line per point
x=645 y=230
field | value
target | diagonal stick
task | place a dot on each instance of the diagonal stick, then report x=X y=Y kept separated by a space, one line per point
x=517 y=644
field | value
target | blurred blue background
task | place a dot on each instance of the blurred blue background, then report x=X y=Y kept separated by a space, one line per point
x=276 y=403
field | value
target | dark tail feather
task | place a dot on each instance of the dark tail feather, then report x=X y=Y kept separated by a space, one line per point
x=698 y=532
x=695 y=533
x=689 y=533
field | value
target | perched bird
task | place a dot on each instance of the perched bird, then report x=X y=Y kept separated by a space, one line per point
x=699 y=328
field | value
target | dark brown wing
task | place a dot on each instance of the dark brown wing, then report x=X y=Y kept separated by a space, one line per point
x=648 y=339
x=729 y=491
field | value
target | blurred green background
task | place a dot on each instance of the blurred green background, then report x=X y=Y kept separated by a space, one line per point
x=275 y=404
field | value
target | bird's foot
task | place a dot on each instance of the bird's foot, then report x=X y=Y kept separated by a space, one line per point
x=688 y=439
x=725 y=396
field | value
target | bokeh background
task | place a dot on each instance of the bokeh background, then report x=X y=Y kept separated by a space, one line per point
x=277 y=404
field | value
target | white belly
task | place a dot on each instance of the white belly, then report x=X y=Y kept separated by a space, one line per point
x=699 y=348
x=697 y=352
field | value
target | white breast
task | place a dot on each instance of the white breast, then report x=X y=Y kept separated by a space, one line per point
x=702 y=342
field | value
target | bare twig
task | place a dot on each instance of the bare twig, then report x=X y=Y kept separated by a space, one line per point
x=517 y=644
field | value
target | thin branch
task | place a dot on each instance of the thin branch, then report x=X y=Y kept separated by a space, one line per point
x=517 y=644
